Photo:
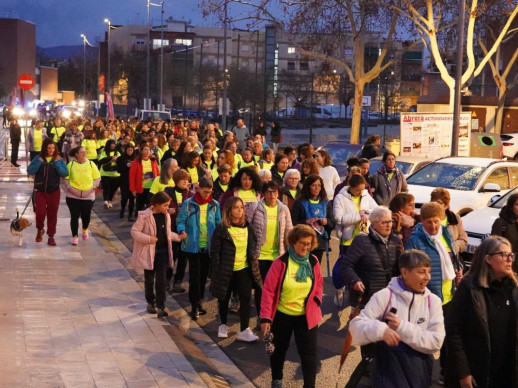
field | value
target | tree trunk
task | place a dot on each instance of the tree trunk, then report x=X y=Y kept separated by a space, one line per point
x=499 y=117
x=357 y=113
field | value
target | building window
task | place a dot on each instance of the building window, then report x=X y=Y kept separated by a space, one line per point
x=245 y=48
x=291 y=50
x=185 y=42
x=140 y=42
x=304 y=66
x=156 y=43
x=291 y=65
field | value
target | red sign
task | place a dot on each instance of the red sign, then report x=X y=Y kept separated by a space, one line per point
x=25 y=81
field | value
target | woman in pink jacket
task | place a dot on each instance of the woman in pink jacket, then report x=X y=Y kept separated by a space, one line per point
x=152 y=250
x=292 y=294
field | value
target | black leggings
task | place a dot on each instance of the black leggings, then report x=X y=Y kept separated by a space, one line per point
x=199 y=264
x=79 y=208
x=306 y=340
x=264 y=267
x=127 y=198
x=242 y=282
x=110 y=185
x=154 y=280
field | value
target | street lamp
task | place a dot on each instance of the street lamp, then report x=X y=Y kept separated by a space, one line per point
x=84 y=65
x=107 y=87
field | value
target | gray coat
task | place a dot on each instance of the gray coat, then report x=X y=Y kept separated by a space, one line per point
x=385 y=189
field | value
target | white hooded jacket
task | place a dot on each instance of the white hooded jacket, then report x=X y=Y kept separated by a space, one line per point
x=345 y=213
x=422 y=321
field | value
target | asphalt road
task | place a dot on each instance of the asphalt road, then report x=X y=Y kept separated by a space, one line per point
x=251 y=358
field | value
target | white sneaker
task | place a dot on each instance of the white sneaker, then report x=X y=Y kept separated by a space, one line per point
x=247 y=336
x=223 y=331
x=110 y=204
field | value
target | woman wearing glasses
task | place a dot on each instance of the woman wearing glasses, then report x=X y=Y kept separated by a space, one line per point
x=292 y=295
x=404 y=216
x=506 y=225
x=481 y=326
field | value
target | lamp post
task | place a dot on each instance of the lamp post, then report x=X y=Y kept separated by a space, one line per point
x=84 y=65
x=458 y=80
x=224 y=102
x=162 y=56
x=108 y=85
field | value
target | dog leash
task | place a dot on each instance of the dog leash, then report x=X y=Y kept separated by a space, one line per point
x=27 y=204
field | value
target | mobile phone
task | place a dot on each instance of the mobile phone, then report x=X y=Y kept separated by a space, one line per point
x=393 y=310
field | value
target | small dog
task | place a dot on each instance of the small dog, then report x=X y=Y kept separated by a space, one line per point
x=18 y=225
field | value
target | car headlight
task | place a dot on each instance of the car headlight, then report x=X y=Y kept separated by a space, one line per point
x=17 y=111
x=66 y=114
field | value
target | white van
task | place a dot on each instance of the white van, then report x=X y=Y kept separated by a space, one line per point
x=144 y=115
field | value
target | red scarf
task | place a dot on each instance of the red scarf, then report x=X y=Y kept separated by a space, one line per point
x=200 y=201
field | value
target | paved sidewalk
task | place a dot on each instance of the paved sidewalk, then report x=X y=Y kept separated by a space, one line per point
x=75 y=316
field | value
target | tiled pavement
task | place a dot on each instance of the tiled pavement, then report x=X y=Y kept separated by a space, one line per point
x=75 y=316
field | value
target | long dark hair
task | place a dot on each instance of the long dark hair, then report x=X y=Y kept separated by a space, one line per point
x=107 y=147
x=508 y=208
x=305 y=192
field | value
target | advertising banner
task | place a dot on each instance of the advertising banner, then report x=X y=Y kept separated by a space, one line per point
x=429 y=134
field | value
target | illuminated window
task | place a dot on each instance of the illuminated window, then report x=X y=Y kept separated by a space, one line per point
x=156 y=43
x=291 y=50
x=185 y=42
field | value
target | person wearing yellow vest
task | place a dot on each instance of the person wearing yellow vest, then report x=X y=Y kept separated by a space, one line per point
x=192 y=163
x=109 y=176
x=292 y=295
x=90 y=144
x=267 y=159
x=35 y=138
x=198 y=218
x=57 y=130
x=247 y=158
x=234 y=265
x=179 y=194
x=272 y=224
x=224 y=157
x=165 y=179
x=83 y=177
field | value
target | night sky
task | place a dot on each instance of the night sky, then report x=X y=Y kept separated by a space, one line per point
x=61 y=22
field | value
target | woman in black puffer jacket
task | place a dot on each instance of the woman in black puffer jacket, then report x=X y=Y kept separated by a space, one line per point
x=234 y=266
x=506 y=225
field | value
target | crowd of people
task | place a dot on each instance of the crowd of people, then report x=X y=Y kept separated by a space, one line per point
x=257 y=221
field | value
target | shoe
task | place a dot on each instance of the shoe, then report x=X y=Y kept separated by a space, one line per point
x=177 y=287
x=247 y=336
x=161 y=313
x=51 y=242
x=277 y=384
x=121 y=214
x=201 y=310
x=110 y=205
x=106 y=204
x=131 y=219
x=74 y=241
x=151 y=308
x=223 y=331
x=40 y=234
x=440 y=380
x=85 y=234
x=194 y=314
x=16 y=165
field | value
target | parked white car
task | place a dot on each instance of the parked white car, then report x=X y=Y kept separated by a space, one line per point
x=406 y=164
x=472 y=182
x=510 y=145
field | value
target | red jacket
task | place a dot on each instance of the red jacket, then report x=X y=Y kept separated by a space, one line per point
x=272 y=289
x=135 y=174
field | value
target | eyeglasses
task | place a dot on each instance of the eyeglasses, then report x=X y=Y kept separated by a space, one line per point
x=385 y=223
x=507 y=256
x=304 y=245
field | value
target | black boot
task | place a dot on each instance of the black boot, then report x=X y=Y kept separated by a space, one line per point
x=121 y=214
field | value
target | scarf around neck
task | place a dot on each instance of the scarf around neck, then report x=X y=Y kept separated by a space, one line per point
x=200 y=201
x=305 y=268
x=448 y=273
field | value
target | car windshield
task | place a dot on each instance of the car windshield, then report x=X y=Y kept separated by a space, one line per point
x=155 y=115
x=404 y=167
x=340 y=153
x=505 y=137
x=449 y=176
x=502 y=201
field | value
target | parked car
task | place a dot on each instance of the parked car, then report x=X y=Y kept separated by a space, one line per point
x=510 y=145
x=406 y=164
x=69 y=111
x=340 y=151
x=472 y=182
x=478 y=230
